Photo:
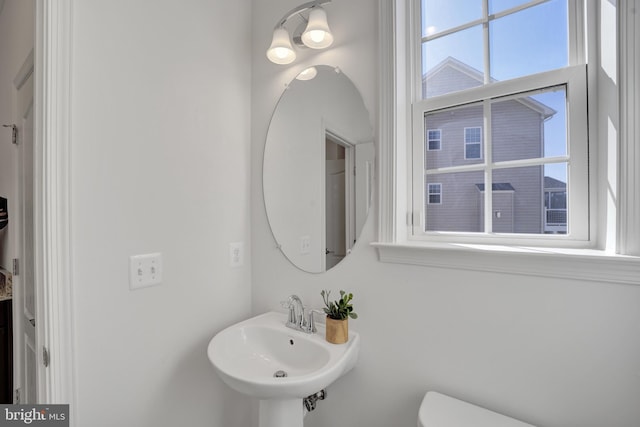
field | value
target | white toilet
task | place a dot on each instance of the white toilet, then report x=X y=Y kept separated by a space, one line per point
x=438 y=410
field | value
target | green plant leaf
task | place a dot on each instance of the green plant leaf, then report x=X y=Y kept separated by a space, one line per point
x=339 y=309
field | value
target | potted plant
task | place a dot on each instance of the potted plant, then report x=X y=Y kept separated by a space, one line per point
x=338 y=313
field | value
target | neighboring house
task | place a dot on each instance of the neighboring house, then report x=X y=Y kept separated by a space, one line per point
x=555 y=205
x=455 y=201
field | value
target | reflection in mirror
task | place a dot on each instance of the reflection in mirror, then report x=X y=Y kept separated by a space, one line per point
x=318 y=169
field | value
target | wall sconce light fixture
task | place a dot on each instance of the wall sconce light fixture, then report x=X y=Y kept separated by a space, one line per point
x=316 y=34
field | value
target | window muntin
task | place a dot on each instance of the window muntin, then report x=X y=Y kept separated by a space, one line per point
x=497 y=6
x=524 y=159
x=493 y=46
x=550 y=150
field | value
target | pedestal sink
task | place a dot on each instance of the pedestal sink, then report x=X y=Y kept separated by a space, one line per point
x=262 y=358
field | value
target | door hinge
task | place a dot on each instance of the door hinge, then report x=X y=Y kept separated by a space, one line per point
x=16 y=397
x=14 y=133
x=45 y=357
x=16 y=267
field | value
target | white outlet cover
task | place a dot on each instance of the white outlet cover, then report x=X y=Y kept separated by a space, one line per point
x=236 y=254
x=305 y=244
x=145 y=270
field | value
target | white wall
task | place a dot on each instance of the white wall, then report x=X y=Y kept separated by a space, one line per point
x=16 y=41
x=160 y=163
x=551 y=352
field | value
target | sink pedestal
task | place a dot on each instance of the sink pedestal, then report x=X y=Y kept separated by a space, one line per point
x=281 y=413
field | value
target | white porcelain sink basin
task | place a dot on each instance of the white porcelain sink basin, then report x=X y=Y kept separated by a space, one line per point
x=248 y=354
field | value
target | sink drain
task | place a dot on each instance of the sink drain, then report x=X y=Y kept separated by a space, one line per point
x=280 y=374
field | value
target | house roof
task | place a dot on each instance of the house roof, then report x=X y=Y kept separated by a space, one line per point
x=550 y=182
x=450 y=63
x=453 y=63
x=497 y=186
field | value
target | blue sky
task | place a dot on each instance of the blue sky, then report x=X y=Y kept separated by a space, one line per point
x=527 y=42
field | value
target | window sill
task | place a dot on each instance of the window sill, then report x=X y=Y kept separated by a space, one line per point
x=578 y=264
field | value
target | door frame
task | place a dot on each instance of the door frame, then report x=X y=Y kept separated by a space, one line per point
x=19 y=341
x=330 y=132
x=52 y=171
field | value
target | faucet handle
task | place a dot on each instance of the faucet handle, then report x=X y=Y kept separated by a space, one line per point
x=292 y=311
x=311 y=323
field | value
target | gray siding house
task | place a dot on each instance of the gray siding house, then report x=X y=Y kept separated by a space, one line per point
x=454 y=137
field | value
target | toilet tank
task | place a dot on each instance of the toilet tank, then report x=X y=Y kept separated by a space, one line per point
x=438 y=410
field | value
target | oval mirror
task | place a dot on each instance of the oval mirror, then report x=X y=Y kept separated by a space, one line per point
x=318 y=168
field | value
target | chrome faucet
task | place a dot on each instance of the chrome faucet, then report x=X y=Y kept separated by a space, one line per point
x=297 y=318
x=296 y=312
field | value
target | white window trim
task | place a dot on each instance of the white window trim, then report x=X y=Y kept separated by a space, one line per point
x=601 y=264
x=629 y=176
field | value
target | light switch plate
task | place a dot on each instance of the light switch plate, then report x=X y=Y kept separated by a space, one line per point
x=145 y=270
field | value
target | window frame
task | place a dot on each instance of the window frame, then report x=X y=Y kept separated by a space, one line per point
x=615 y=257
x=429 y=140
x=467 y=143
x=574 y=75
x=439 y=193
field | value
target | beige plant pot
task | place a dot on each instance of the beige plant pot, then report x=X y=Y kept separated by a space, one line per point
x=337 y=331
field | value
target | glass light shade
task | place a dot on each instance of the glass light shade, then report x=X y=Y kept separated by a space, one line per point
x=308 y=74
x=317 y=35
x=281 y=51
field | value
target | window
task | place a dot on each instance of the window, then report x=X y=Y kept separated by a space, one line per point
x=435 y=193
x=516 y=98
x=434 y=139
x=473 y=143
x=604 y=204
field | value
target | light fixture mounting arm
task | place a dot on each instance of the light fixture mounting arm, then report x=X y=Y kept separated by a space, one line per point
x=298 y=10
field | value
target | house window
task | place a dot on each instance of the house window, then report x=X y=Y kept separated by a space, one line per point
x=473 y=143
x=599 y=209
x=435 y=193
x=518 y=99
x=434 y=139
